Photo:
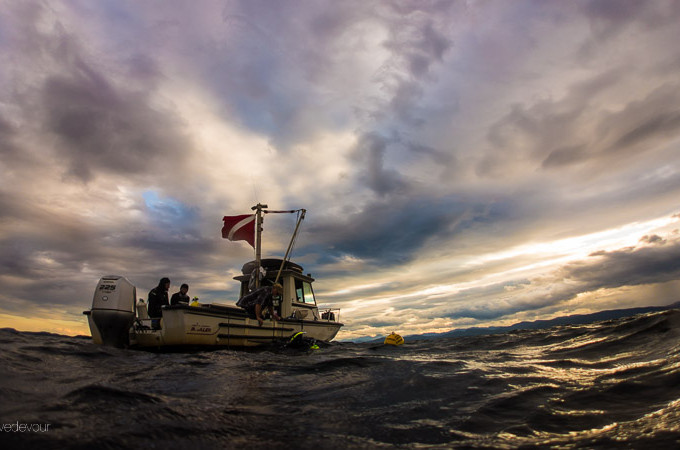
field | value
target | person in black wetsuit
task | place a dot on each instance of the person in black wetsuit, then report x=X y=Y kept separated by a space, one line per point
x=259 y=299
x=158 y=297
x=181 y=297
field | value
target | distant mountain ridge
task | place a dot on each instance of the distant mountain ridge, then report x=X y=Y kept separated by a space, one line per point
x=575 y=319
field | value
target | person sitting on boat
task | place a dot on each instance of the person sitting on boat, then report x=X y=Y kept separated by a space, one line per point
x=261 y=298
x=180 y=297
x=158 y=297
x=194 y=302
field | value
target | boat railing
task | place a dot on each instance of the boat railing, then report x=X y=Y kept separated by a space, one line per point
x=143 y=325
x=330 y=314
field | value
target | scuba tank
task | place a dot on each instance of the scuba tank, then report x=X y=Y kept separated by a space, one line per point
x=300 y=341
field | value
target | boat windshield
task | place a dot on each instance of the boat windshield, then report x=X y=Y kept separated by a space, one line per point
x=304 y=293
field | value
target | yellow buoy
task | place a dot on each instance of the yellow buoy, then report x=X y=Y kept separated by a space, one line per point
x=394 y=339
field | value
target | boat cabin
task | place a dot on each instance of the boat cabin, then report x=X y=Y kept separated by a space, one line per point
x=298 y=301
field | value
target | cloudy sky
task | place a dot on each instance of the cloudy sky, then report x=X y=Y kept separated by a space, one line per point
x=463 y=163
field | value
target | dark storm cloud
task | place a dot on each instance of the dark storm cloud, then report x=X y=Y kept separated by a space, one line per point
x=609 y=17
x=41 y=253
x=8 y=147
x=167 y=254
x=34 y=227
x=546 y=134
x=370 y=152
x=488 y=312
x=595 y=120
x=6 y=130
x=628 y=267
x=494 y=302
x=417 y=45
x=634 y=266
x=440 y=157
x=276 y=76
x=391 y=232
x=57 y=268
x=644 y=123
x=653 y=239
x=388 y=233
x=564 y=156
x=528 y=133
x=51 y=258
x=33 y=263
x=270 y=72
x=660 y=126
x=103 y=128
x=378 y=322
x=102 y=119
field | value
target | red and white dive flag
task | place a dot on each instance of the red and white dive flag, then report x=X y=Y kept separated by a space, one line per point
x=239 y=228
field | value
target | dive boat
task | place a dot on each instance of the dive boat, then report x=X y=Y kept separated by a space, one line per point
x=116 y=319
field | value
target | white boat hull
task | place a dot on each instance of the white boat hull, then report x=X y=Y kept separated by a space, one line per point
x=222 y=326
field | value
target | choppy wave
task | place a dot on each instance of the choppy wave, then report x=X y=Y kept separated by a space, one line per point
x=613 y=384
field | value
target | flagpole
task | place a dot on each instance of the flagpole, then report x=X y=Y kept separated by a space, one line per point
x=258 y=241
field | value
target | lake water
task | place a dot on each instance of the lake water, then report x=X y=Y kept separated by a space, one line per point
x=613 y=384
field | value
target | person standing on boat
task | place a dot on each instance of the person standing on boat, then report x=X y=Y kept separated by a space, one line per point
x=180 y=297
x=158 y=297
x=259 y=299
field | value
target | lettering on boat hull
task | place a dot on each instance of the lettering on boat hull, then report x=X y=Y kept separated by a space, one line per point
x=199 y=329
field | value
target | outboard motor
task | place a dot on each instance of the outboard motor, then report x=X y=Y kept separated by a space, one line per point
x=113 y=311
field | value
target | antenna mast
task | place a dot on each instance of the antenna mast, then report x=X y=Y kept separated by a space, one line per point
x=292 y=242
x=258 y=241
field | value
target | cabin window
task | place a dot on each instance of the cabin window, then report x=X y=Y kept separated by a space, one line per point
x=304 y=293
